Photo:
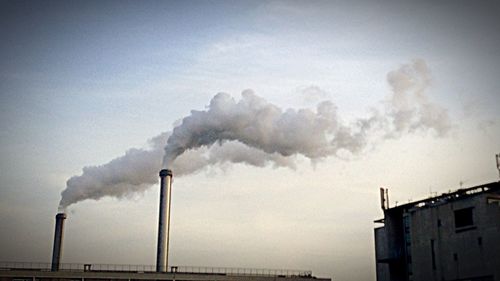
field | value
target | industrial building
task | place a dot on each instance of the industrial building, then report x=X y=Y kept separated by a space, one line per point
x=451 y=237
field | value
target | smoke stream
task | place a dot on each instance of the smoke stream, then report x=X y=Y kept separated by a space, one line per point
x=258 y=133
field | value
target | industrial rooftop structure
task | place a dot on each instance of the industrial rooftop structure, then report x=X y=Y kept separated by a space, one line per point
x=24 y=271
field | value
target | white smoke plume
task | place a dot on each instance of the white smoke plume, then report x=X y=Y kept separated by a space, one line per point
x=255 y=132
x=409 y=108
x=258 y=124
x=137 y=170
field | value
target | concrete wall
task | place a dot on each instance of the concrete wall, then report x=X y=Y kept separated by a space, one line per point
x=459 y=253
x=381 y=253
x=389 y=247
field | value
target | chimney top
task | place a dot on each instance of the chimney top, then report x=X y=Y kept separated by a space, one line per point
x=165 y=172
x=61 y=216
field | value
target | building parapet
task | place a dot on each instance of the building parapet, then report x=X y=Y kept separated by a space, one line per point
x=448 y=197
x=79 y=267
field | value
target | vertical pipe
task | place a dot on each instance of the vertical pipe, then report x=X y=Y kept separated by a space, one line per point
x=169 y=204
x=387 y=198
x=497 y=156
x=58 y=240
x=164 y=220
x=382 y=198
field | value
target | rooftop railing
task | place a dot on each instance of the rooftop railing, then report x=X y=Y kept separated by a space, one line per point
x=80 y=267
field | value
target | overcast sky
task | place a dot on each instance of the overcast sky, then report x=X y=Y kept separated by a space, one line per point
x=81 y=82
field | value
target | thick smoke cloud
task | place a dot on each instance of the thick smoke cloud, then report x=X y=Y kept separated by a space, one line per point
x=255 y=132
x=258 y=124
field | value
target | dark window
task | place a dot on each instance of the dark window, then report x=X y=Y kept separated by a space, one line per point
x=463 y=217
x=480 y=241
x=439 y=222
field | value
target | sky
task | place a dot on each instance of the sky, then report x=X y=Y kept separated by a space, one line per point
x=82 y=82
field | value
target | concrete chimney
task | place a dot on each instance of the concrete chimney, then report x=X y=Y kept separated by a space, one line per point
x=164 y=220
x=58 y=240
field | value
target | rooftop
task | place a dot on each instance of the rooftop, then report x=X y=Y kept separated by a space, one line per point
x=459 y=194
x=70 y=269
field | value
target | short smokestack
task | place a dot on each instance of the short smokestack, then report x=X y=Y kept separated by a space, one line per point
x=58 y=240
x=164 y=220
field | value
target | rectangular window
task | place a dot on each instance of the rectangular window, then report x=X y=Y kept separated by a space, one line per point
x=463 y=217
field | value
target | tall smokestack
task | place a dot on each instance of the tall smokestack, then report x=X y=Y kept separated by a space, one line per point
x=58 y=239
x=164 y=220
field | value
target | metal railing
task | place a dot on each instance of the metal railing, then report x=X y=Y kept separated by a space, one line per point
x=241 y=271
x=80 y=267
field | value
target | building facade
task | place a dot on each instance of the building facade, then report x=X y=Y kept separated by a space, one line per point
x=451 y=237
